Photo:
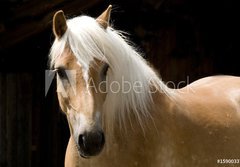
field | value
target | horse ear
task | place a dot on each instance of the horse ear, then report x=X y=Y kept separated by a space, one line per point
x=104 y=18
x=59 y=24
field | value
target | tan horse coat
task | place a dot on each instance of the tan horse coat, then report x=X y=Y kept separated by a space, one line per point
x=198 y=127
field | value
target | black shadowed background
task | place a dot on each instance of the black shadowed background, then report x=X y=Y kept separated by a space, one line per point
x=184 y=40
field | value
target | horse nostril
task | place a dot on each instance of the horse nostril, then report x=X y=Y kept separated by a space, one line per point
x=91 y=143
x=102 y=138
x=81 y=141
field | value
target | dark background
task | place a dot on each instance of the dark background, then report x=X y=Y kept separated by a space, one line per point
x=183 y=39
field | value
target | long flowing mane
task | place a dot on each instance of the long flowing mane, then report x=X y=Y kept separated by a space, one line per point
x=87 y=40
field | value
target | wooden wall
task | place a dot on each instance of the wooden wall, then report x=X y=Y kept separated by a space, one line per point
x=16 y=112
x=33 y=132
x=3 y=122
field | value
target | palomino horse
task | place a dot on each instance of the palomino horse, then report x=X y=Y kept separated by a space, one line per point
x=121 y=114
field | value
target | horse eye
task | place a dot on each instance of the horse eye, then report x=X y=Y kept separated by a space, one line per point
x=104 y=71
x=61 y=73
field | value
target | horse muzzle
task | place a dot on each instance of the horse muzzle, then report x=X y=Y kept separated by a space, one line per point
x=91 y=143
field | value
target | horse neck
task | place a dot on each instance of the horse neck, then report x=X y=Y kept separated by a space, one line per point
x=132 y=108
x=154 y=125
x=143 y=120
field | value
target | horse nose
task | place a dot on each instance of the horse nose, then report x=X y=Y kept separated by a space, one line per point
x=91 y=143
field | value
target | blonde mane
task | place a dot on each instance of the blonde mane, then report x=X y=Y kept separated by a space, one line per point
x=87 y=40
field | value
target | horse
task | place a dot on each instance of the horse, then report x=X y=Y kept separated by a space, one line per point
x=120 y=112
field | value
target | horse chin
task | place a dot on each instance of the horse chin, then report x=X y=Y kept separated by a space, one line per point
x=81 y=154
x=84 y=156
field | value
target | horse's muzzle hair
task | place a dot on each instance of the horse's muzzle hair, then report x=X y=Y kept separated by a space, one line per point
x=91 y=143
